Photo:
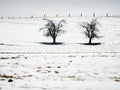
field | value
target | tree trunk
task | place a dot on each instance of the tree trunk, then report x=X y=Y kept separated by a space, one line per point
x=54 y=40
x=90 y=40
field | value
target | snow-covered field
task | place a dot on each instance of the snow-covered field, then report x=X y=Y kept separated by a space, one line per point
x=69 y=66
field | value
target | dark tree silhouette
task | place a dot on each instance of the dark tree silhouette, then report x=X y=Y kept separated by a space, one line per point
x=57 y=15
x=81 y=15
x=107 y=15
x=44 y=15
x=91 y=31
x=93 y=14
x=69 y=15
x=1 y=17
x=53 y=29
x=32 y=16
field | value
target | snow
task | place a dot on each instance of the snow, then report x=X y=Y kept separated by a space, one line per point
x=69 y=66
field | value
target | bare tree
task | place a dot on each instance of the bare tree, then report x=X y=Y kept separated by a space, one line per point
x=93 y=14
x=1 y=17
x=69 y=15
x=44 y=15
x=107 y=15
x=91 y=31
x=31 y=16
x=81 y=15
x=53 y=29
x=57 y=15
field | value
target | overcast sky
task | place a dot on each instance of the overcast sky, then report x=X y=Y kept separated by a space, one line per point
x=61 y=7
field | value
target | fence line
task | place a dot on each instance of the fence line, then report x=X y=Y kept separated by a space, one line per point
x=57 y=15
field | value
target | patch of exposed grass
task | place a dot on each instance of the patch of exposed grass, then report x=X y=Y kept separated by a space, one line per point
x=8 y=76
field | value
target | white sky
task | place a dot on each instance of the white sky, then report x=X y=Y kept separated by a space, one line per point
x=61 y=7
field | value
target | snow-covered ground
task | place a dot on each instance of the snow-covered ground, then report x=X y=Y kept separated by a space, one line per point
x=69 y=66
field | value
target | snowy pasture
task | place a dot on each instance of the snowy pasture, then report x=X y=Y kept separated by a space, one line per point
x=32 y=65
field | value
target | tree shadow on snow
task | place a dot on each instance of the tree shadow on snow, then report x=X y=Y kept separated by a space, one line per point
x=92 y=44
x=50 y=43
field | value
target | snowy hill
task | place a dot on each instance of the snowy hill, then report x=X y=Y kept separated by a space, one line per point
x=69 y=66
